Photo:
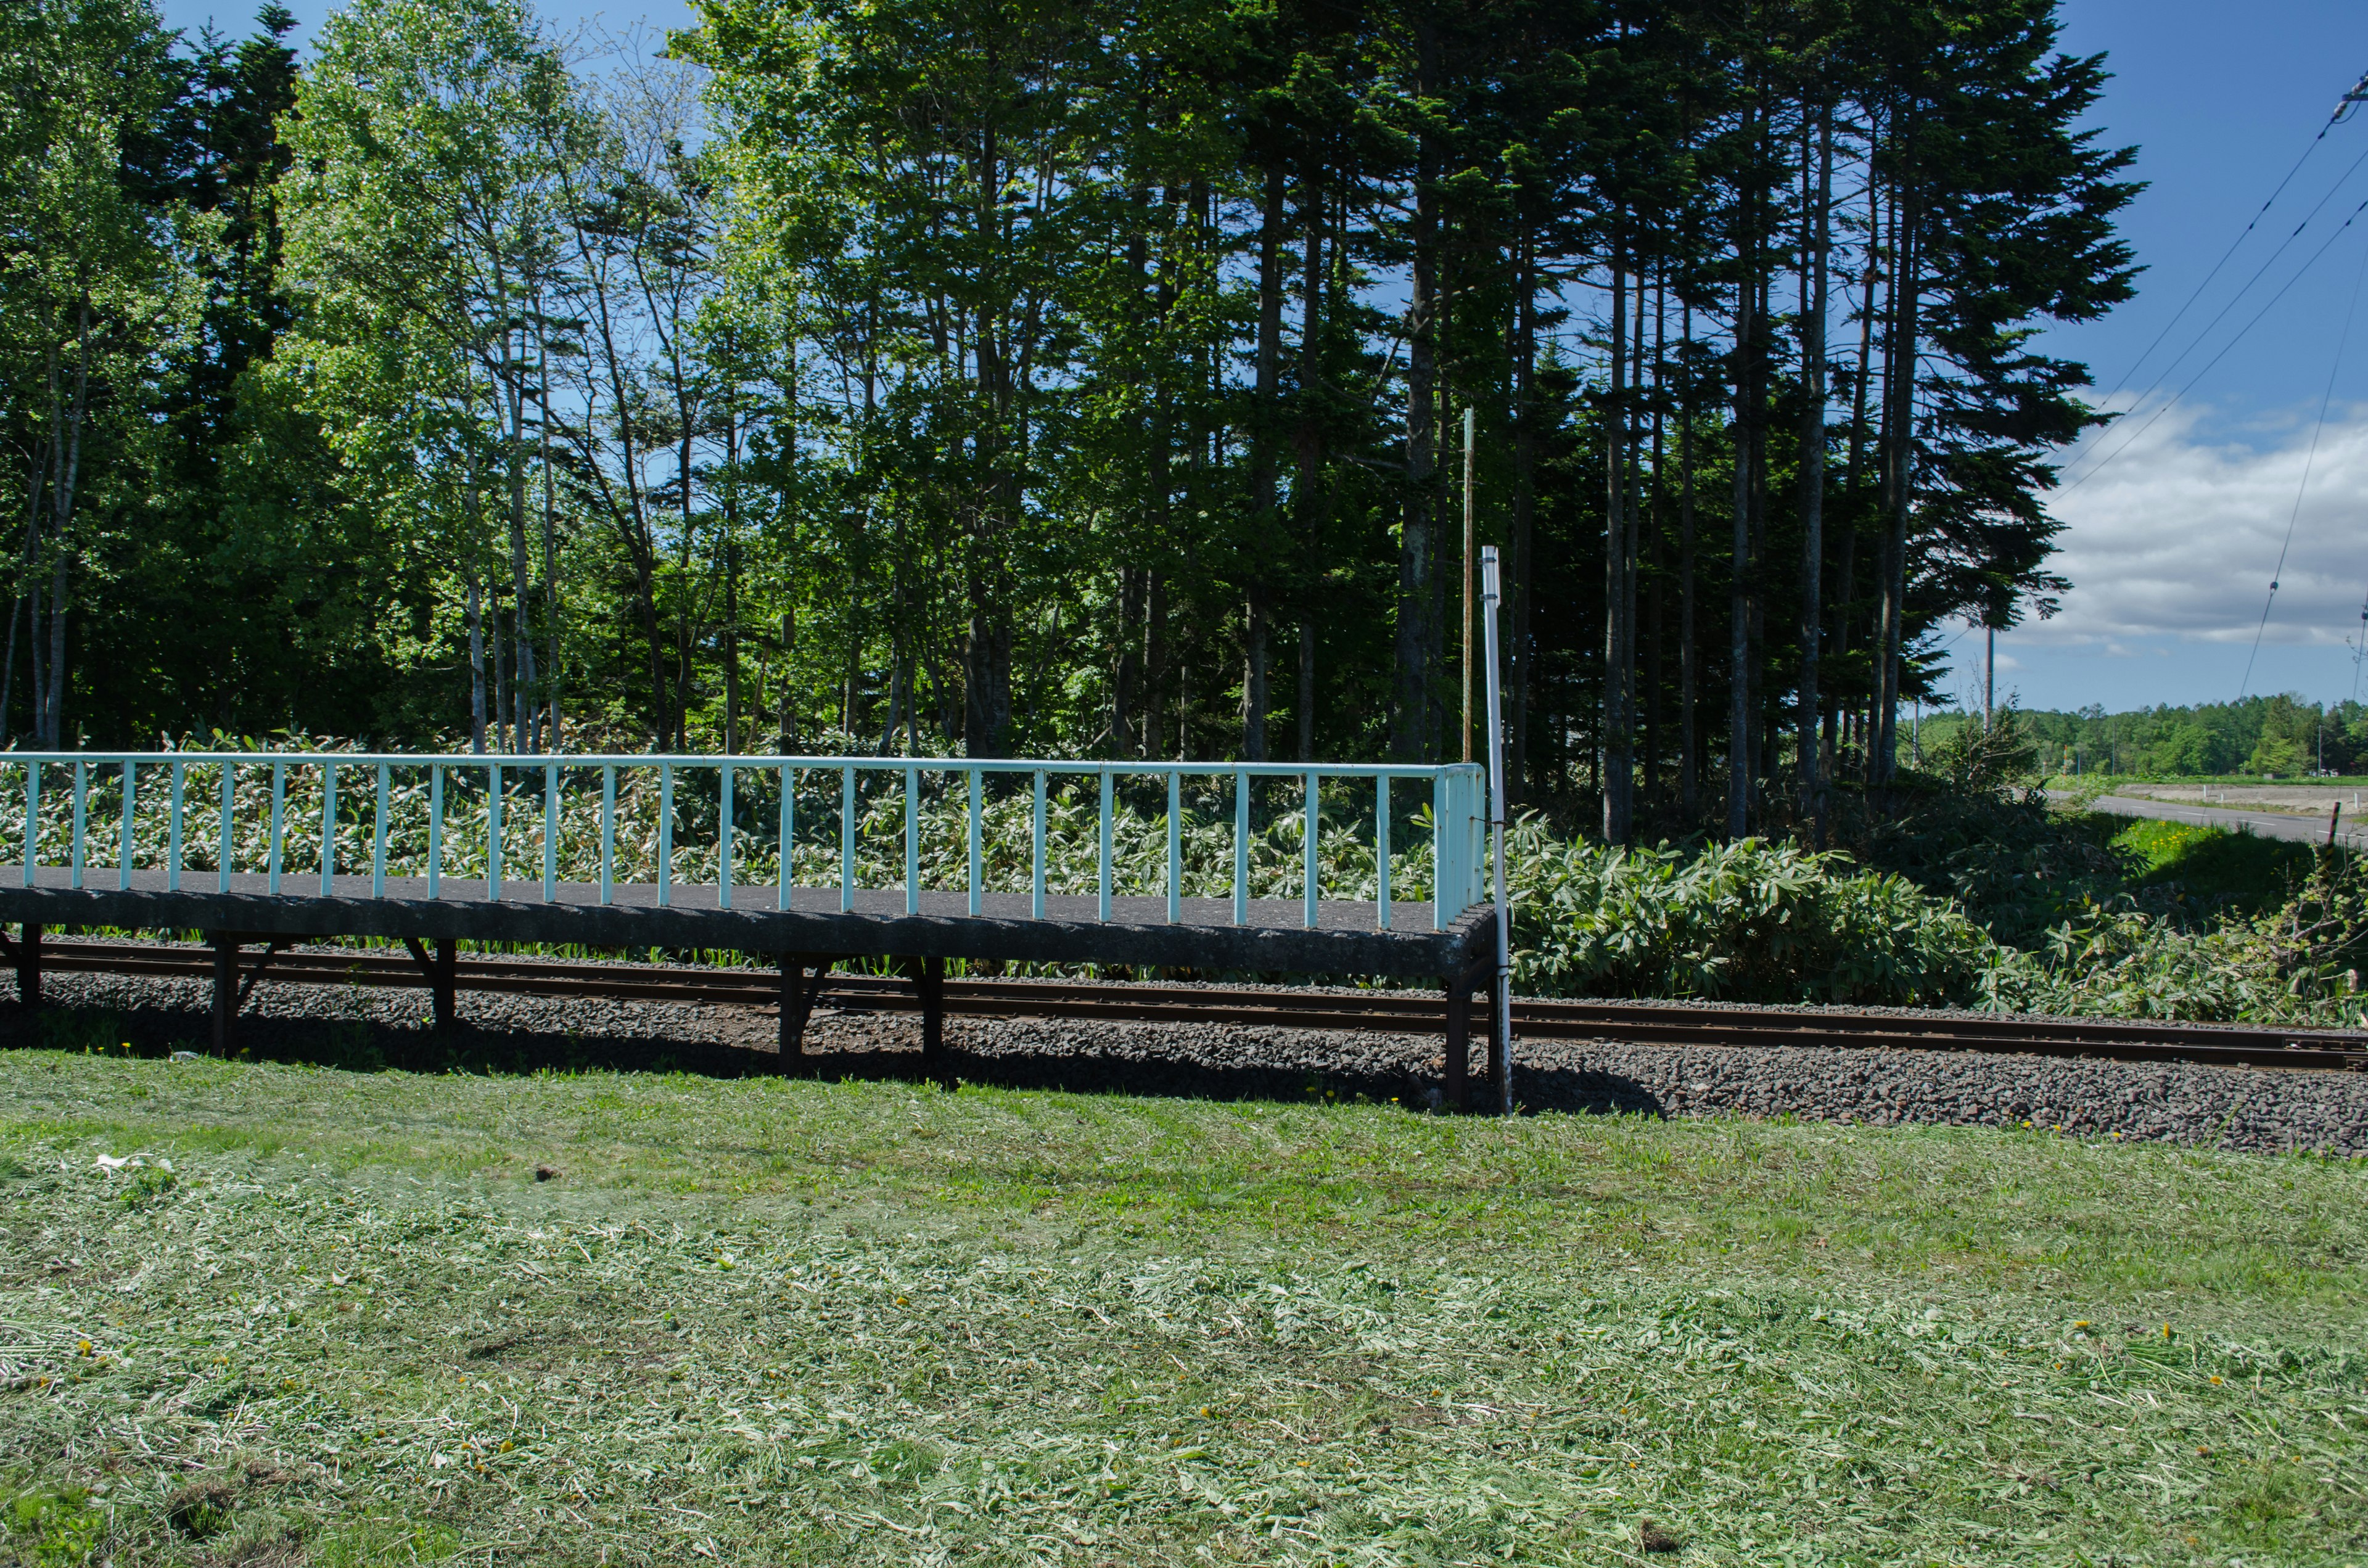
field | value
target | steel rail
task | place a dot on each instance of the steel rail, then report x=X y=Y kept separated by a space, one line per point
x=1376 y=1011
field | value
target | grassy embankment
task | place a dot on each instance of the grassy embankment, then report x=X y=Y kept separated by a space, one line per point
x=777 y=1322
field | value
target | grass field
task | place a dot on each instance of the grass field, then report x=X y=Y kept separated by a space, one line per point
x=2248 y=871
x=767 y=1321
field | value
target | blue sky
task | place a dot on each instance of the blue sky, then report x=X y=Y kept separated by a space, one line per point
x=2172 y=543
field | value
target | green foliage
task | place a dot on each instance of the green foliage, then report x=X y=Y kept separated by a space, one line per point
x=1749 y=921
x=43 y=1528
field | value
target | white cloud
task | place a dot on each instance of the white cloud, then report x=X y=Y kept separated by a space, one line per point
x=2178 y=535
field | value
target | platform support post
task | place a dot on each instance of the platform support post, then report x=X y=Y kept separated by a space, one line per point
x=797 y=1004
x=29 y=966
x=1474 y=976
x=225 y=1009
x=928 y=977
x=443 y=984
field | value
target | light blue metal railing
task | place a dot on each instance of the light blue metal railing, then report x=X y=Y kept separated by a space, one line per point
x=1458 y=808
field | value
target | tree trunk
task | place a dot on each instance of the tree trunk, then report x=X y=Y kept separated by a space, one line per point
x=55 y=739
x=476 y=664
x=1129 y=660
x=730 y=648
x=1524 y=513
x=1618 y=758
x=1155 y=660
x=1738 y=679
x=1414 y=729
x=1689 y=656
x=1899 y=437
x=1815 y=239
x=1266 y=425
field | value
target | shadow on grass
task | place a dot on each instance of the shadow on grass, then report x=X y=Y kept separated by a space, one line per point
x=2236 y=870
x=1364 y=1075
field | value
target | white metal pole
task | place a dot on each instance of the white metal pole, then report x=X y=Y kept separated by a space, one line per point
x=1490 y=594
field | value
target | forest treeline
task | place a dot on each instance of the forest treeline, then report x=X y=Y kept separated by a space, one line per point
x=1090 y=379
x=2283 y=736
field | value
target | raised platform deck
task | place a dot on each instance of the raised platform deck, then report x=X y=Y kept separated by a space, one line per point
x=398 y=830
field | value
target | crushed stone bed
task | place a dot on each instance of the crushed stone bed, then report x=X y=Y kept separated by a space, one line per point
x=2265 y=1111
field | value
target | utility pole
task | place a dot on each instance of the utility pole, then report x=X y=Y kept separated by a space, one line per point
x=1989 y=672
x=1467 y=584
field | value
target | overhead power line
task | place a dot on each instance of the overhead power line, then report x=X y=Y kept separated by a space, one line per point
x=2352 y=100
x=2172 y=401
x=2310 y=459
x=2343 y=111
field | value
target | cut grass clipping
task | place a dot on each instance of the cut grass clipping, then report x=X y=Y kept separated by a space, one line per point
x=259 y=1314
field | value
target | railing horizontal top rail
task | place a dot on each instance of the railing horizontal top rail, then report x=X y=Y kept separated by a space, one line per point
x=92 y=802
x=1081 y=768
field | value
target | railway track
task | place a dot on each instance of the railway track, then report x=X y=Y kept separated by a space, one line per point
x=1380 y=1011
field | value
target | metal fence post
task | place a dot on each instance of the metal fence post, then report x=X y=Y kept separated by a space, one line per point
x=435 y=828
x=1314 y=829
x=33 y=819
x=279 y=808
x=977 y=813
x=378 y=839
x=1241 y=848
x=789 y=834
x=1036 y=853
x=1174 y=846
x=173 y=833
x=665 y=833
x=846 y=839
x=549 y=831
x=1103 y=837
x=494 y=831
x=723 y=843
x=607 y=832
x=912 y=839
x=81 y=804
x=328 y=828
x=123 y=856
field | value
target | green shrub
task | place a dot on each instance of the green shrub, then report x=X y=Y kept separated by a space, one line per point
x=1752 y=921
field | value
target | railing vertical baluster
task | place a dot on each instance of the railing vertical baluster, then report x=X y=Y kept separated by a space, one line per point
x=81 y=804
x=32 y=819
x=1174 y=846
x=1442 y=848
x=124 y=857
x=1241 y=848
x=1313 y=836
x=724 y=842
x=378 y=837
x=789 y=834
x=1036 y=853
x=665 y=833
x=607 y=832
x=1102 y=835
x=173 y=834
x=435 y=828
x=492 y=831
x=912 y=839
x=549 y=831
x=977 y=810
x=846 y=839
x=279 y=813
x=1381 y=851
x=222 y=863
x=328 y=827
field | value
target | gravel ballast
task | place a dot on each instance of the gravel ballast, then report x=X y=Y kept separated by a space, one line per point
x=2266 y=1110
